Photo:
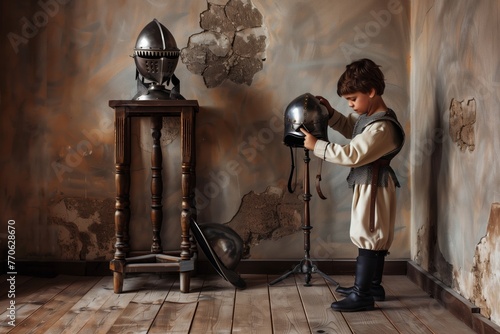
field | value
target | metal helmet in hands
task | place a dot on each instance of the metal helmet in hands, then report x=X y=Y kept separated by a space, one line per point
x=305 y=112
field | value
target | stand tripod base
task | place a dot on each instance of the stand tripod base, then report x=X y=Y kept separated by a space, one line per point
x=306 y=267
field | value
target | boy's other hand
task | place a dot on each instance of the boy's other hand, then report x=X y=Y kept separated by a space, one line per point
x=326 y=103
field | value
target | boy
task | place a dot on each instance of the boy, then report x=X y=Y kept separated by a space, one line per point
x=376 y=137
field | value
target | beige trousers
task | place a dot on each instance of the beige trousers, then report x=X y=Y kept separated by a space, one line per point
x=385 y=216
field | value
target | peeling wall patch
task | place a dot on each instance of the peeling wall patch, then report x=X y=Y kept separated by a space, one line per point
x=267 y=216
x=85 y=228
x=232 y=45
x=462 y=119
x=422 y=245
x=485 y=293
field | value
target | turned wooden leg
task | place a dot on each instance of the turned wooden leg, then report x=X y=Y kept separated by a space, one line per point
x=185 y=280
x=122 y=210
x=122 y=204
x=122 y=183
x=156 y=184
x=117 y=282
x=118 y=267
x=187 y=180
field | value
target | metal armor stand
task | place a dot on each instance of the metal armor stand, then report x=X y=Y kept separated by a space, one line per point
x=306 y=266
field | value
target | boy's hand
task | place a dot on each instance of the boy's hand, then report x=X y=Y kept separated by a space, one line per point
x=309 y=140
x=326 y=103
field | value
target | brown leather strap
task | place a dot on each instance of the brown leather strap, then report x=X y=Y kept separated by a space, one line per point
x=374 y=187
x=318 y=180
x=291 y=188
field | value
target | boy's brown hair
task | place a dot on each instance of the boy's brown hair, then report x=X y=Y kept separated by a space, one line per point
x=361 y=76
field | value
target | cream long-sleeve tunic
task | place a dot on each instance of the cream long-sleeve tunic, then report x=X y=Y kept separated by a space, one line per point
x=376 y=140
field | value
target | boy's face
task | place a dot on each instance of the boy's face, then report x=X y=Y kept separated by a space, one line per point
x=359 y=102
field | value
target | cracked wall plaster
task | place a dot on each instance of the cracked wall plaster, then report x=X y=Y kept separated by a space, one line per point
x=272 y=215
x=84 y=228
x=232 y=45
x=430 y=257
x=486 y=268
x=462 y=120
x=58 y=121
x=421 y=256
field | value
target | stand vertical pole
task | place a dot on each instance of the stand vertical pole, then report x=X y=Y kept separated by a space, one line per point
x=306 y=266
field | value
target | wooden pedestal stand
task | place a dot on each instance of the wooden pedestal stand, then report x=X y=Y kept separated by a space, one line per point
x=156 y=260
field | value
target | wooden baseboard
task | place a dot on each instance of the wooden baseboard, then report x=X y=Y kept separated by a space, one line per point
x=53 y=268
x=451 y=300
x=268 y=266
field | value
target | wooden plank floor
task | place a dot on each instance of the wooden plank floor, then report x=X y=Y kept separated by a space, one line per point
x=153 y=304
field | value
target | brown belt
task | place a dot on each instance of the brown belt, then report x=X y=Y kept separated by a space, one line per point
x=374 y=187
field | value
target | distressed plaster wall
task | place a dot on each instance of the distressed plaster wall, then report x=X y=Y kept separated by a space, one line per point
x=62 y=61
x=232 y=45
x=455 y=181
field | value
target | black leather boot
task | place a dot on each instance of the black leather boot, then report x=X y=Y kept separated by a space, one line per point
x=377 y=290
x=360 y=299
